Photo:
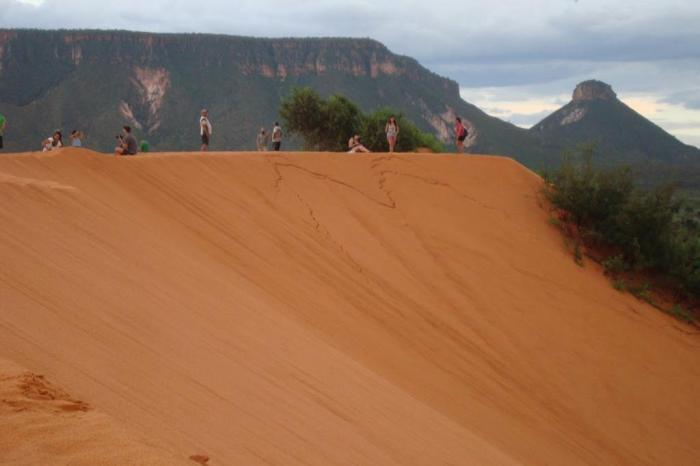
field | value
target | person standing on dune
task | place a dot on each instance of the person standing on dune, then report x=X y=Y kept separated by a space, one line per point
x=461 y=134
x=392 y=132
x=276 y=137
x=204 y=129
x=2 y=128
x=261 y=140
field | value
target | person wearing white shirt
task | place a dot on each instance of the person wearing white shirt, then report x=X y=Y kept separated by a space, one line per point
x=204 y=129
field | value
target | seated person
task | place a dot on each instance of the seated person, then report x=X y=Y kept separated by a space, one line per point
x=76 y=138
x=355 y=145
x=52 y=143
x=127 y=143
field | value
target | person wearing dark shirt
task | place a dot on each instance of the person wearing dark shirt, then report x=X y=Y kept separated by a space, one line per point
x=127 y=143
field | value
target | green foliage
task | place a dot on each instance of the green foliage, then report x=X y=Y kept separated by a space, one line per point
x=328 y=124
x=578 y=254
x=615 y=265
x=555 y=222
x=650 y=230
x=301 y=113
x=642 y=292
x=619 y=284
x=340 y=118
x=681 y=314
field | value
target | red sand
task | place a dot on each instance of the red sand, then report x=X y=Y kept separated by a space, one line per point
x=325 y=309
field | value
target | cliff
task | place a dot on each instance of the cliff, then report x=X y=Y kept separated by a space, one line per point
x=98 y=80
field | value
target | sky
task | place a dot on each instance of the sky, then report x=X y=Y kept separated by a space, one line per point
x=515 y=59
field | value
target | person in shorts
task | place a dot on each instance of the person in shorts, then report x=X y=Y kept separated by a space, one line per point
x=276 y=137
x=127 y=143
x=204 y=129
x=461 y=134
x=392 y=132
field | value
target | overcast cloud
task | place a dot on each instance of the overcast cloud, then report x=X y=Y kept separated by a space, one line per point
x=515 y=59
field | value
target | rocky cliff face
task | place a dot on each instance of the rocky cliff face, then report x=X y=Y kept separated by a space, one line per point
x=97 y=81
x=593 y=90
x=596 y=115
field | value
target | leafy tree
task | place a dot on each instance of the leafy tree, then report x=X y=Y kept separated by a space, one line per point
x=341 y=118
x=301 y=113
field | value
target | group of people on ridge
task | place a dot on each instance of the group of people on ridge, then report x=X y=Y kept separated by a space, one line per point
x=127 y=144
x=391 y=130
x=261 y=139
x=55 y=141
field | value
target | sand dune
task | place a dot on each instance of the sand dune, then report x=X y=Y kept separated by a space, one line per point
x=328 y=309
x=40 y=424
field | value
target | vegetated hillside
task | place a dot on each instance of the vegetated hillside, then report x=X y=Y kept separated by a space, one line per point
x=621 y=135
x=98 y=80
x=332 y=309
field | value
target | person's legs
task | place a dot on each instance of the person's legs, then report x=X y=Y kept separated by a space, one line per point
x=119 y=150
x=205 y=143
x=276 y=145
x=392 y=143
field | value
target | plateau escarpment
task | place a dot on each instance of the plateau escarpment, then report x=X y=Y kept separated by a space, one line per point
x=98 y=80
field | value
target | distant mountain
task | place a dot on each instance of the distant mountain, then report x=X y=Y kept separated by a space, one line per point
x=595 y=114
x=97 y=81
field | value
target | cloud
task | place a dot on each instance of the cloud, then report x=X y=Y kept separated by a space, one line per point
x=689 y=98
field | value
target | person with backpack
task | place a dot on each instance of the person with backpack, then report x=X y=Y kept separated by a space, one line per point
x=461 y=133
x=276 y=137
x=204 y=129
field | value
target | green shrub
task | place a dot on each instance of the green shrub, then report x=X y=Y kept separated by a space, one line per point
x=619 y=284
x=323 y=124
x=648 y=229
x=681 y=314
x=615 y=265
x=642 y=292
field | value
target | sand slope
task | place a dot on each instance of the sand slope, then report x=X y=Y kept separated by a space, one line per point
x=40 y=424
x=332 y=309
